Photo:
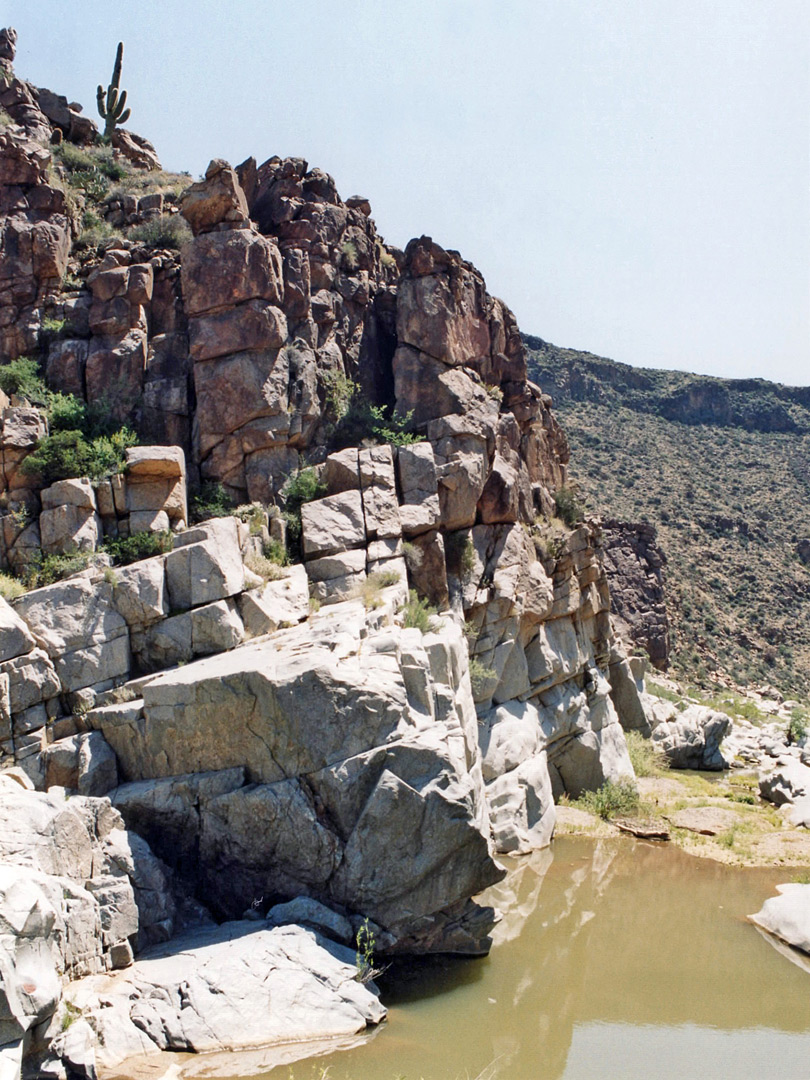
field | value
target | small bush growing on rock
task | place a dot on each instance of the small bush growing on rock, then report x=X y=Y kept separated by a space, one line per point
x=275 y=551
x=10 y=587
x=797 y=727
x=480 y=677
x=568 y=506
x=370 y=590
x=22 y=377
x=349 y=256
x=613 y=797
x=124 y=550
x=168 y=231
x=95 y=231
x=266 y=568
x=302 y=487
x=66 y=455
x=364 y=955
x=211 y=501
x=418 y=613
x=46 y=569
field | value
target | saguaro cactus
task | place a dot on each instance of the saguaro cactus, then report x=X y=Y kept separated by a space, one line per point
x=113 y=111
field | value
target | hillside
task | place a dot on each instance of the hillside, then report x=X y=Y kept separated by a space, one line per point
x=722 y=469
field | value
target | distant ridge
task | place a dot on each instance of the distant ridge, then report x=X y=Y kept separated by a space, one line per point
x=721 y=467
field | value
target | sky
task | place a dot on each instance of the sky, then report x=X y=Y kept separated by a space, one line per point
x=631 y=176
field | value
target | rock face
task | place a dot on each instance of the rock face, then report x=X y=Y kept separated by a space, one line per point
x=634 y=564
x=77 y=894
x=351 y=737
x=269 y=754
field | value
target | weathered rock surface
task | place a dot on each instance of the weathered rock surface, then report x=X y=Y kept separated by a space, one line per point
x=77 y=892
x=634 y=564
x=690 y=739
x=351 y=736
x=229 y=987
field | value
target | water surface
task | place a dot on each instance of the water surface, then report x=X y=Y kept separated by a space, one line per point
x=615 y=961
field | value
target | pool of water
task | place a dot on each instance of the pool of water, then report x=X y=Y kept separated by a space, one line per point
x=615 y=960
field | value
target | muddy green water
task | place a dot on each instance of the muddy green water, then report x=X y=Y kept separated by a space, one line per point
x=615 y=960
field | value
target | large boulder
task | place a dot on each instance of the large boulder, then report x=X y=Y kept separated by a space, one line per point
x=690 y=739
x=230 y=987
x=218 y=199
x=344 y=751
x=787 y=916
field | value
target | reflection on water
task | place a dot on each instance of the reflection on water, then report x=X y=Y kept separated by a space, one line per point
x=614 y=960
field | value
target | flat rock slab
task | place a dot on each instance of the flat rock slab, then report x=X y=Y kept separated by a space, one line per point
x=229 y=987
x=708 y=820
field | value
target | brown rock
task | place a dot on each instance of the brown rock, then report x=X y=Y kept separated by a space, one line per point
x=442 y=306
x=427 y=571
x=22 y=161
x=253 y=325
x=297 y=283
x=65 y=366
x=146 y=463
x=50 y=249
x=136 y=149
x=221 y=269
x=500 y=498
x=114 y=371
x=234 y=390
x=216 y=200
x=430 y=389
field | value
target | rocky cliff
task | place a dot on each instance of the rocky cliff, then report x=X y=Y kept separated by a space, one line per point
x=316 y=731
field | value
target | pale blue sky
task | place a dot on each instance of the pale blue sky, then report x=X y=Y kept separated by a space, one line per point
x=631 y=176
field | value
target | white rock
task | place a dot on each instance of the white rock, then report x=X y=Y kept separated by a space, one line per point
x=787 y=915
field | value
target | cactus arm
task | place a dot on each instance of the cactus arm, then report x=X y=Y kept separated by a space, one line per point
x=119 y=59
x=125 y=115
x=100 y=103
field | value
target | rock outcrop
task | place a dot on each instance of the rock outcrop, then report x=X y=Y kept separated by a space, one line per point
x=634 y=564
x=78 y=893
x=364 y=756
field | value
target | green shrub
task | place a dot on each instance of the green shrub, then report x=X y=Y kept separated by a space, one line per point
x=646 y=760
x=357 y=419
x=95 y=231
x=69 y=454
x=46 y=569
x=22 y=377
x=480 y=677
x=349 y=255
x=211 y=501
x=10 y=587
x=568 y=506
x=275 y=551
x=797 y=728
x=66 y=412
x=54 y=328
x=168 y=231
x=302 y=487
x=418 y=613
x=124 y=550
x=613 y=797
x=99 y=158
